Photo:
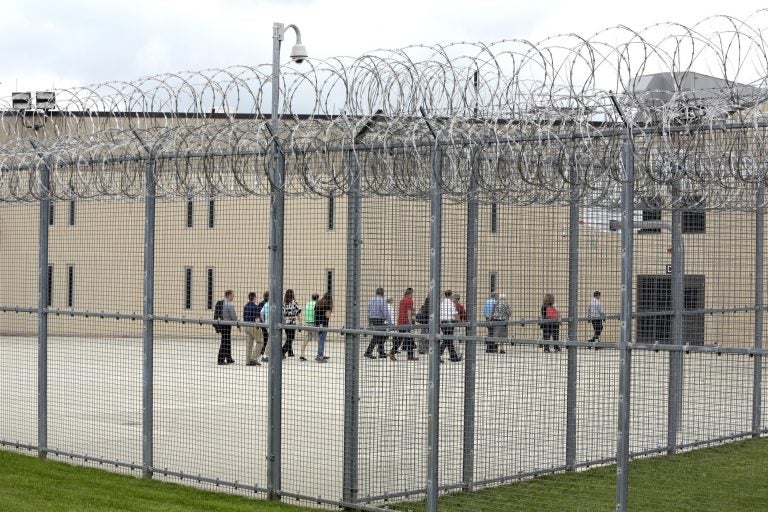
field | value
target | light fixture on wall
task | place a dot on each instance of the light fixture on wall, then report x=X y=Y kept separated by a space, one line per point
x=21 y=101
x=45 y=100
x=33 y=116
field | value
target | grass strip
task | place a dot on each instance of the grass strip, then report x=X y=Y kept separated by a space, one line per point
x=31 y=484
x=723 y=478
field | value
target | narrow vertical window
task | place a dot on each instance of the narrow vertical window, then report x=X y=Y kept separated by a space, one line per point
x=188 y=288
x=492 y=282
x=331 y=211
x=190 y=212
x=209 y=290
x=49 y=298
x=70 y=286
x=694 y=215
x=211 y=213
x=51 y=211
x=494 y=217
x=71 y=206
x=329 y=281
x=651 y=207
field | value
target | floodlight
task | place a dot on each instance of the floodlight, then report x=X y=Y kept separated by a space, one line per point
x=45 y=100
x=21 y=100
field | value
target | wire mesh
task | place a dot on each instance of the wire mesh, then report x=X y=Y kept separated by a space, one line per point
x=134 y=212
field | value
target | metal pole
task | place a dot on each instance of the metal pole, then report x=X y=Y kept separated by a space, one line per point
x=470 y=350
x=42 y=311
x=757 y=382
x=352 y=341
x=433 y=434
x=149 y=326
x=573 y=315
x=148 y=331
x=675 y=391
x=277 y=179
x=625 y=355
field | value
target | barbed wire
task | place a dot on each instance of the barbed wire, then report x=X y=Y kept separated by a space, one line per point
x=515 y=121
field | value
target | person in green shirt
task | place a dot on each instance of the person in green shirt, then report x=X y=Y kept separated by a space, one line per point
x=309 y=319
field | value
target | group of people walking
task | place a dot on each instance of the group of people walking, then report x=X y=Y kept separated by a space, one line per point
x=317 y=312
x=379 y=317
x=382 y=316
x=550 y=319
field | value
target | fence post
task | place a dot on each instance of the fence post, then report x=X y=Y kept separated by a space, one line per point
x=275 y=305
x=352 y=341
x=675 y=391
x=757 y=382
x=148 y=311
x=625 y=355
x=433 y=434
x=149 y=325
x=470 y=349
x=42 y=308
x=573 y=317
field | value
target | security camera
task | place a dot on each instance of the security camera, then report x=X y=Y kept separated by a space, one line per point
x=298 y=53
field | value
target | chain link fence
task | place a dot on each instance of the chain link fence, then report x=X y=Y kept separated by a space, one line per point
x=485 y=272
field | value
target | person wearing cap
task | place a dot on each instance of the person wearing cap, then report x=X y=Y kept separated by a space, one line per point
x=596 y=316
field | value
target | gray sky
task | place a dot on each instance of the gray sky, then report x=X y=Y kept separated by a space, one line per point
x=63 y=43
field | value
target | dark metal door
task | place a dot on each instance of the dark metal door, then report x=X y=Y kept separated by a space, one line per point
x=654 y=308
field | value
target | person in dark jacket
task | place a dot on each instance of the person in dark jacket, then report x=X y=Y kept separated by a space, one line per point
x=422 y=317
x=253 y=334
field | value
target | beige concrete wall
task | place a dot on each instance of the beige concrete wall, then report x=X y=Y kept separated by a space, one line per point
x=528 y=254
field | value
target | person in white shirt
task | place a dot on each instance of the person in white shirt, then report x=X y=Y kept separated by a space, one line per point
x=448 y=315
x=378 y=316
x=391 y=309
x=596 y=315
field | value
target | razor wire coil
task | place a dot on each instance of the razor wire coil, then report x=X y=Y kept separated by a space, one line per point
x=515 y=121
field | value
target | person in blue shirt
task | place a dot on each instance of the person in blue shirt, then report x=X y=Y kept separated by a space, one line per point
x=264 y=313
x=488 y=308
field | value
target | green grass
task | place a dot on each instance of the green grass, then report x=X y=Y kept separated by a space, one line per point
x=30 y=484
x=731 y=477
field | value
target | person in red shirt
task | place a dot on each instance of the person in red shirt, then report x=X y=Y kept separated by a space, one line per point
x=404 y=321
